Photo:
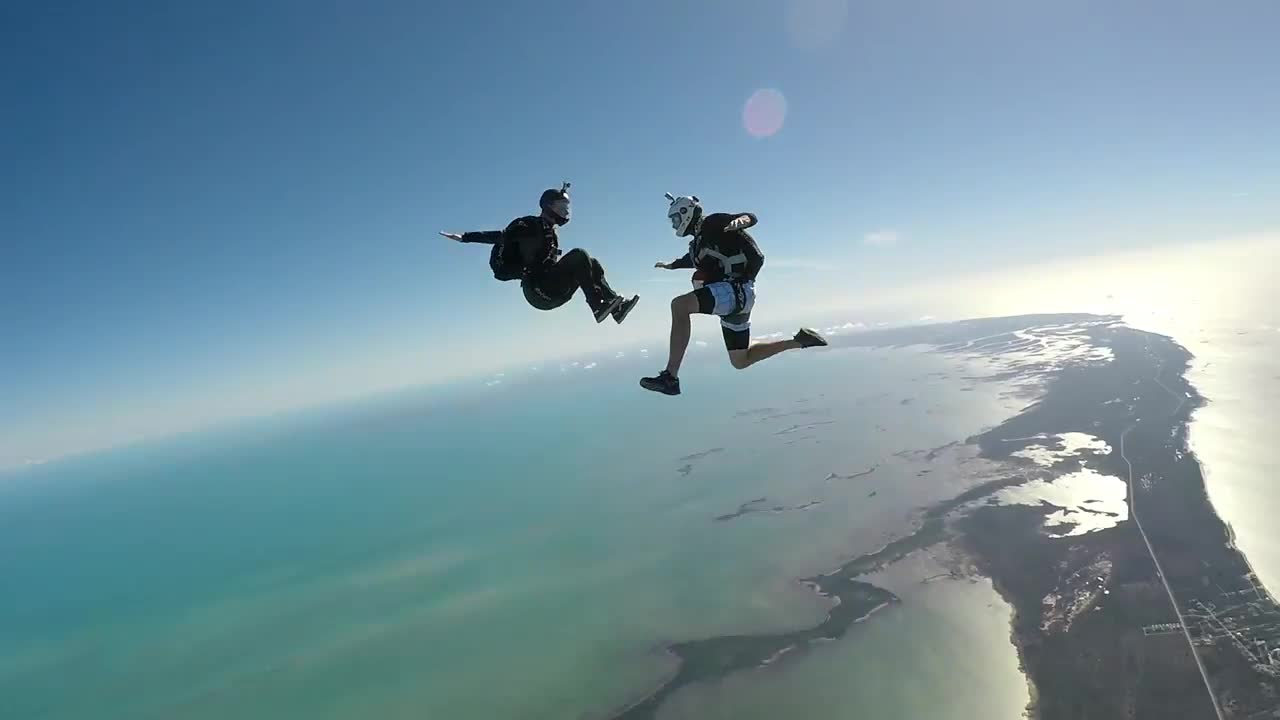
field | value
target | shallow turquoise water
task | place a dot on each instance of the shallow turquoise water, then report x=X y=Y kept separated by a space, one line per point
x=518 y=550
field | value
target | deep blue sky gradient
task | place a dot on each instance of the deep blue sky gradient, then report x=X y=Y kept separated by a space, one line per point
x=212 y=209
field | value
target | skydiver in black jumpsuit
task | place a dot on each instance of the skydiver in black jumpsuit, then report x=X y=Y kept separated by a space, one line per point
x=528 y=249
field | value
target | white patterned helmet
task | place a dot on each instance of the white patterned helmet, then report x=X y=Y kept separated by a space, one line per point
x=685 y=214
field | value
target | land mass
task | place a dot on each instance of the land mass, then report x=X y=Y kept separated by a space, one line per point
x=1102 y=630
x=755 y=506
x=1096 y=629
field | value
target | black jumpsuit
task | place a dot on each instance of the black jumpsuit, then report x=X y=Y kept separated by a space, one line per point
x=550 y=279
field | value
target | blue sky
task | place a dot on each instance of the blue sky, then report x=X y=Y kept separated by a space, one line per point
x=216 y=209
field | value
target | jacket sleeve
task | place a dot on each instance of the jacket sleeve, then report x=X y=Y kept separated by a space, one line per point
x=487 y=237
x=755 y=258
x=686 y=261
x=741 y=221
x=738 y=240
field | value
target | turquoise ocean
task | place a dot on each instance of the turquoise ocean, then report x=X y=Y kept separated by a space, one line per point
x=522 y=547
x=525 y=546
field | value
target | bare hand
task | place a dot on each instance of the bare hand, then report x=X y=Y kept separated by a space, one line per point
x=662 y=265
x=452 y=236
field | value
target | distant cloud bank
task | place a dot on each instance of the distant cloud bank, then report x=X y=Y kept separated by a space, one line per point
x=845 y=328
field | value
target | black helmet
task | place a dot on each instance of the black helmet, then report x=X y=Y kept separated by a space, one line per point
x=556 y=203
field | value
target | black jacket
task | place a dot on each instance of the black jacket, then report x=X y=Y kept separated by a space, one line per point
x=535 y=237
x=723 y=255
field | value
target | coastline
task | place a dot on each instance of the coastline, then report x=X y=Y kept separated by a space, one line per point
x=1010 y=545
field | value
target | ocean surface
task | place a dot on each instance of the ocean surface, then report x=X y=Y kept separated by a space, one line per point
x=522 y=547
x=525 y=546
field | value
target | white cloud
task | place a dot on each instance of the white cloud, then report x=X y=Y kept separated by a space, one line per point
x=700 y=343
x=881 y=238
x=491 y=383
x=620 y=354
x=644 y=351
x=842 y=329
x=927 y=318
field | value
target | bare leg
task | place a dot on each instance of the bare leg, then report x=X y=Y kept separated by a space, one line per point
x=681 y=308
x=743 y=359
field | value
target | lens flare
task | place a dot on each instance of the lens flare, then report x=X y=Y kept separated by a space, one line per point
x=764 y=113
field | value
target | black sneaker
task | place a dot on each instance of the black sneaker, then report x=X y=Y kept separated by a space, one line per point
x=620 y=312
x=607 y=309
x=663 y=383
x=810 y=338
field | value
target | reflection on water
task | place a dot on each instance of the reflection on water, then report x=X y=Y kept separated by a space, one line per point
x=1221 y=300
x=944 y=652
x=1087 y=501
x=1067 y=446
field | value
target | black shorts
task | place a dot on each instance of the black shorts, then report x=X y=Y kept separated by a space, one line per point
x=732 y=302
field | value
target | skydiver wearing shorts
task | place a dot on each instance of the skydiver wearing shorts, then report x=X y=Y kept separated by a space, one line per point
x=727 y=261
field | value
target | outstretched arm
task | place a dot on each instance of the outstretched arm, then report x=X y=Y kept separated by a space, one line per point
x=741 y=222
x=678 y=264
x=487 y=237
